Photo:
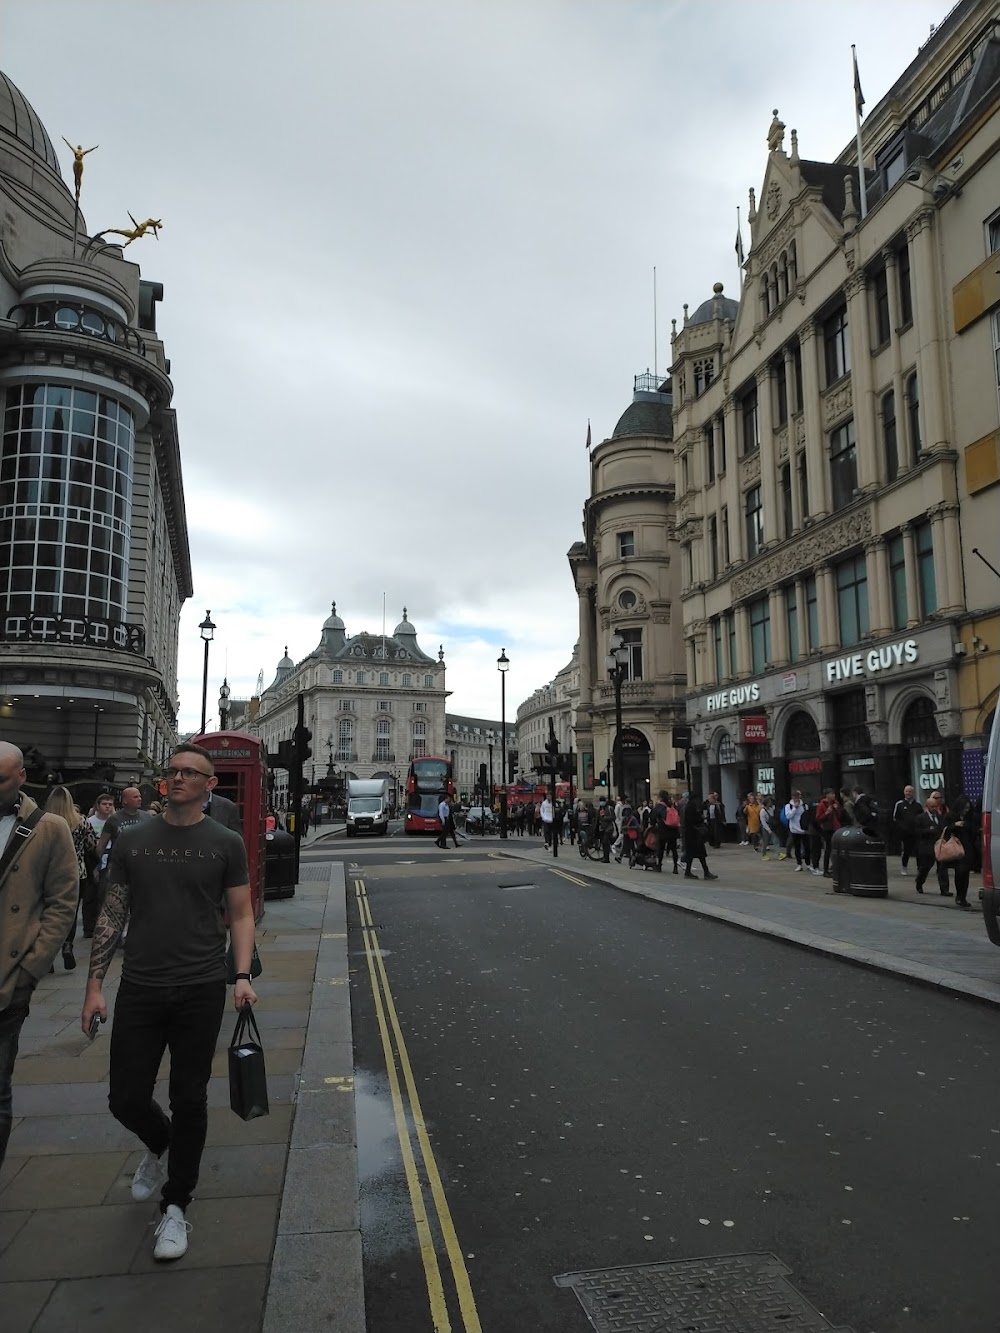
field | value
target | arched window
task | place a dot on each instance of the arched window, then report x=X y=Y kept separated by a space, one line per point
x=919 y=723
x=913 y=413
x=727 y=750
x=765 y=308
x=382 y=727
x=793 y=272
x=889 y=436
x=802 y=736
x=345 y=738
x=778 y=295
x=783 y=276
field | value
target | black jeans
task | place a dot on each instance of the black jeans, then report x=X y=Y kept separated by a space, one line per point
x=11 y=1021
x=667 y=842
x=71 y=934
x=149 y=1020
x=798 y=841
x=908 y=848
x=91 y=895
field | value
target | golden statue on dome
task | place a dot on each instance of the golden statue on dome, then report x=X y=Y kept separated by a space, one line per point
x=79 y=153
x=134 y=232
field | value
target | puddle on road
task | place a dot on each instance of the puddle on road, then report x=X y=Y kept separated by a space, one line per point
x=386 y=1217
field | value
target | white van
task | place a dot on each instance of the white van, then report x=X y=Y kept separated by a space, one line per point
x=991 y=835
x=367 y=806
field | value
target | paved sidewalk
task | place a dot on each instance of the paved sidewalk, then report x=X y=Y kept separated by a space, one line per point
x=921 y=936
x=76 y=1251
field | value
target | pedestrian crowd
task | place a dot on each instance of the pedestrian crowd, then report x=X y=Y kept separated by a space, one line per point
x=159 y=883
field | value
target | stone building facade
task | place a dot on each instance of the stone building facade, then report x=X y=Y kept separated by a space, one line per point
x=474 y=741
x=836 y=432
x=372 y=702
x=94 y=558
x=628 y=582
x=559 y=699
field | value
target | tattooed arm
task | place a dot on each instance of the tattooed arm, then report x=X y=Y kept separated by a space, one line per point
x=107 y=932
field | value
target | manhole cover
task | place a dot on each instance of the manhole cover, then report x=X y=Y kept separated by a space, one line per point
x=734 y=1293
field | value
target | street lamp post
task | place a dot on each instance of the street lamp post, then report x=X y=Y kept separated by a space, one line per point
x=617 y=665
x=503 y=662
x=224 y=693
x=207 y=630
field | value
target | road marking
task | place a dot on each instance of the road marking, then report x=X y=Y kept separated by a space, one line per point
x=460 y=1274
x=432 y=1273
x=564 y=874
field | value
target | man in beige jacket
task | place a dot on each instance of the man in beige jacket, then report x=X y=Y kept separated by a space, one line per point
x=39 y=883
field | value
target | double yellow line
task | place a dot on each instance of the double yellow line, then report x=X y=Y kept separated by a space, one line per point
x=564 y=874
x=389 y=1029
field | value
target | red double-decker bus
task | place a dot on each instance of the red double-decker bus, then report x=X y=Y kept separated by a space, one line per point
x=428 y=781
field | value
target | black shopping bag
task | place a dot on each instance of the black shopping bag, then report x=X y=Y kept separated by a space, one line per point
x=247 y=1076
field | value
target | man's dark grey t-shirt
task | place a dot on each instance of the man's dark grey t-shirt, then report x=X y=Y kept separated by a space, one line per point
x=177 y=879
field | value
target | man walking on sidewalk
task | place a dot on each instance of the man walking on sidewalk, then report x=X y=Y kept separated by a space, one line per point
x=444 y=814
x=39 y=884
x=170 y=880
x=905 y=814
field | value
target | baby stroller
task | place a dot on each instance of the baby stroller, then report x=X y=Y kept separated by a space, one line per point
x=644 y=850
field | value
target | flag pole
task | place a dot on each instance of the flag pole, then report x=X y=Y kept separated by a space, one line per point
x=859 y=102
x=655 y=359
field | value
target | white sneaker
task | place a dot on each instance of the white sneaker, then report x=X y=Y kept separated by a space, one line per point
x=171 y=1234
x=799 y=868
x=149 y=1176
x=817 y=871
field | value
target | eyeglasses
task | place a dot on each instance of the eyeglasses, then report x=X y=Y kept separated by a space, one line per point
x=188 y=774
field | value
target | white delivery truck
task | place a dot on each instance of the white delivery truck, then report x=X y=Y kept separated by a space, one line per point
x=367 y=806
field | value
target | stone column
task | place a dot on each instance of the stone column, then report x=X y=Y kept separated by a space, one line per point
x=802 y=617
x=792 y=452
x=928 y=319
x=691 y=660
x=743 y=650
x=733 y=498
x=890 y=258
x=768 y=458
x=585 y=594
x=828 y=630
x=942 y=555
x=877 y=570
x=951 y=523
x=779 y=626
x=861 y=382
x=815 y=439
x=913 y=618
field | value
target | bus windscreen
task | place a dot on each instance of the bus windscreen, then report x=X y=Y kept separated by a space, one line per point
x=431 y=774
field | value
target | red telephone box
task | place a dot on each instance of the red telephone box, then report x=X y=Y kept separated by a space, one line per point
x=241 y=766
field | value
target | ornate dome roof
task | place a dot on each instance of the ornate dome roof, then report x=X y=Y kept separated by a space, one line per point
x=333 y=621
x=19 y=119
x=404 y=627
x=648 y=414
x=727 y=308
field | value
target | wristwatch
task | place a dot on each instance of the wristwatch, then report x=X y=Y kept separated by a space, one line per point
x=243 y=976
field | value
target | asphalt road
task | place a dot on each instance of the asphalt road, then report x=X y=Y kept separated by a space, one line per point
x=605 y=1081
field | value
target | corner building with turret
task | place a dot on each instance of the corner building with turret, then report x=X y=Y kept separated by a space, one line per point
x=94 y=559
x=837 y=436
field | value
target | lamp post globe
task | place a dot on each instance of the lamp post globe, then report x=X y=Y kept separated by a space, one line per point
x=503 y=663
x=224 y=693
x=207 y=630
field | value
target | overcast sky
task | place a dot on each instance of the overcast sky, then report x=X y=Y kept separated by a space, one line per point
x=407 y=253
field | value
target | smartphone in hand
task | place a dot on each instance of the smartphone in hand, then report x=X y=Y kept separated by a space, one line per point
x=95 y=1025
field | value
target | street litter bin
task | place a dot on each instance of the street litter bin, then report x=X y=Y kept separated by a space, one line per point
x=859 y=865
x=279 y=865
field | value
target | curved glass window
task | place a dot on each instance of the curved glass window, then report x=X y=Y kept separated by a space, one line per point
x=93 y=323
x=67 y=317
x=65 y=502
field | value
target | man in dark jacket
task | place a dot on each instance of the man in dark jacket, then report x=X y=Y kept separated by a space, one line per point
x=905 y=814
x=694 y=840
x=224 y=810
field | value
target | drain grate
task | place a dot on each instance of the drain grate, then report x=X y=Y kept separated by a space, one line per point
x=733 y=1293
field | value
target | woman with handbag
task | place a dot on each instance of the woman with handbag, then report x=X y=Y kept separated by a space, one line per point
x=959 y=833
x=930 y=828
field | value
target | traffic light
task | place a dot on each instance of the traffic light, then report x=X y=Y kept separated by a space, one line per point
x=286 y=755
x=602 y=777
x=302 y=738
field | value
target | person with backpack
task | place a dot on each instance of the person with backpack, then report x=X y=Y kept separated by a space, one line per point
x=668 y=829
x=769 y=826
